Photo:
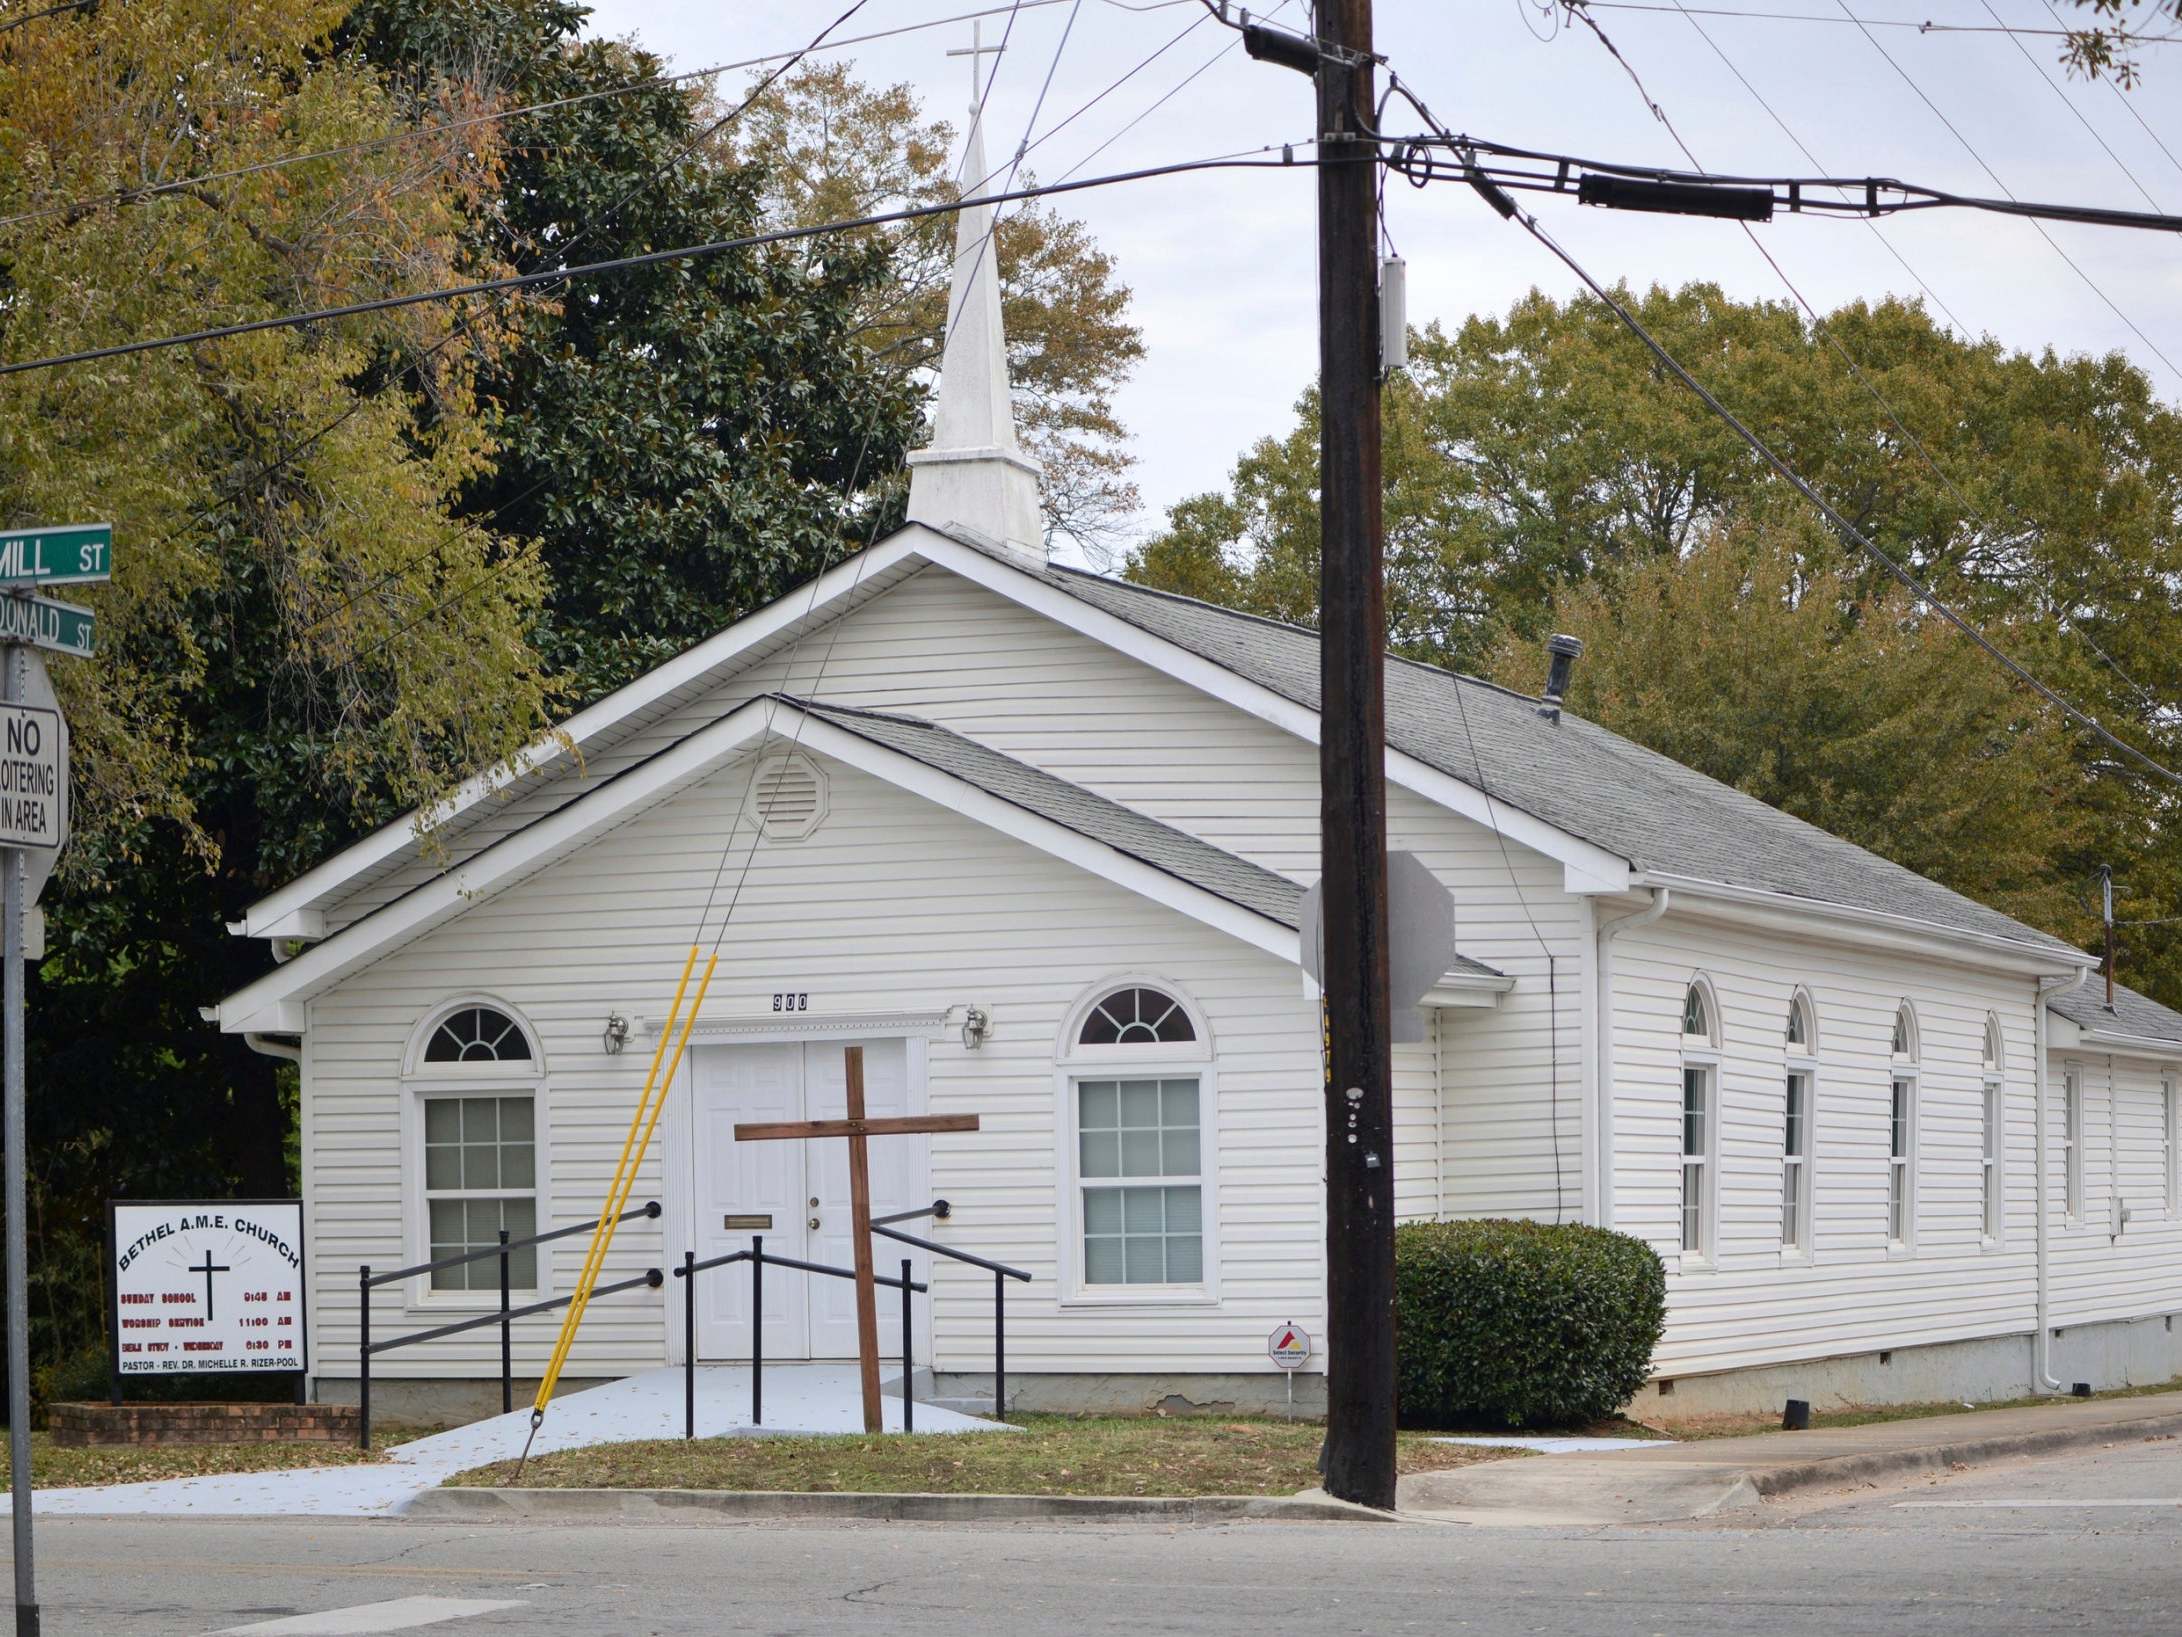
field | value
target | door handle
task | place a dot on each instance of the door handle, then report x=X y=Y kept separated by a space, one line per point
x=814 y=1221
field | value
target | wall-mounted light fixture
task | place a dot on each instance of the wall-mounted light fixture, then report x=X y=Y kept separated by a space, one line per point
x=977 y=1027
x=616 y=1035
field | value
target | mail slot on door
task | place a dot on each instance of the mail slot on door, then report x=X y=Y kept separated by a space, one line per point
x=754 y=1222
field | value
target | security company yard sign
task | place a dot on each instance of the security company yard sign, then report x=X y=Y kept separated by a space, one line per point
x=1289 y=1346
x=208 y=1285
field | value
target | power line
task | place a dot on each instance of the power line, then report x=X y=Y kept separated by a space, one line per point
x=611 y=213
x=2127 y=102
x=649 y=258
x=1798 y=482
x=2052 y=85
x=1969 y=148
x=1871 y=22
x=1824 y=330
x=1176 y=89
x=124 y=196
x=1863 y=196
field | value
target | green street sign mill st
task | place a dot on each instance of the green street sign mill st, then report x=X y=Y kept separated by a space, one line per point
x=68 y=555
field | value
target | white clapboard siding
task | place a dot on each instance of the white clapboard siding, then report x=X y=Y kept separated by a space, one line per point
x=1755 y=1303
x=939 y=647
x=892 y=905
x=2098 y=1277
x=943 y=649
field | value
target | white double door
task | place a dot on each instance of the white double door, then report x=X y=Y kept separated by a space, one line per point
x=802 y=1186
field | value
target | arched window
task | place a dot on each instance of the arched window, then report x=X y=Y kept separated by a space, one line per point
x=478 y=1034
x=1994 y=1102
x=1136 y=1017
x=1802 y=1032
x=1140 y=1099
x=1902 y=1133
x=1799 y=1092
x=474 y=1159
x=1698 y=1016
x=1700 y=1117
x=1905 y=1033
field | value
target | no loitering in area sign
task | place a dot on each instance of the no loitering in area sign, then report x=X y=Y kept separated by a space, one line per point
x=31 y=775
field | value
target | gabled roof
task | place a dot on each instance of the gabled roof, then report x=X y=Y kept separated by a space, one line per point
x=1138 y=853
x=2133 y=1015
x=1612 y=811
x=1669 y=821
x=1164 y=848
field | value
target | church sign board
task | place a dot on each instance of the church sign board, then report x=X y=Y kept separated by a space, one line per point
x=212 y=1285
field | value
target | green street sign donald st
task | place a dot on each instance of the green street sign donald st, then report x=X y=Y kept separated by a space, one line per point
x=43 y=623
x=68 y=555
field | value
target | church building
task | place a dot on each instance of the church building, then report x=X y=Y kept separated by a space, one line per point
x=1037 y=840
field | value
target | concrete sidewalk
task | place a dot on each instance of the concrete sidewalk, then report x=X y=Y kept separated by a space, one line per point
x=1670 y=1483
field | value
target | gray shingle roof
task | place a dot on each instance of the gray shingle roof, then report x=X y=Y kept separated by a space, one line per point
x=1171 y=851
x=1576 y=776
x=2133 y=1013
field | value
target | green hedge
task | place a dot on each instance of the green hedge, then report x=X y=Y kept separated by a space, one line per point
x=1522 y=1324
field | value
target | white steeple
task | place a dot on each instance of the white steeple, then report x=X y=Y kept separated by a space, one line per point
x=974 y=473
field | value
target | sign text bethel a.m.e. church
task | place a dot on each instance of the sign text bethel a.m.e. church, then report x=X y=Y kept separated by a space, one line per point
x=214 y=1285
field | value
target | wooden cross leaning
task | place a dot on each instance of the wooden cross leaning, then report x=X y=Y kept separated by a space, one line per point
x=857 y=1128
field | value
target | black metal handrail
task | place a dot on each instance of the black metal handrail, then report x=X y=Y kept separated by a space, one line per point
x=504 y=1316
x=758 y=1258
x=1001 y=1273
x=938 y=1208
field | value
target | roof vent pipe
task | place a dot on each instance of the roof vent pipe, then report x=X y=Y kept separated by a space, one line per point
x=1564 y=650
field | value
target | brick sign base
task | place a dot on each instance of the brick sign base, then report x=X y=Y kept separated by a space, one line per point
x=79 y=1425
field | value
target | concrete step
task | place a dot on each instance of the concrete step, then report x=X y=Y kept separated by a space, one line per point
x=962 y=1406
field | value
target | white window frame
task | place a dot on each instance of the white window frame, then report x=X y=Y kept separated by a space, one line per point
x=2072 y=1146
x=2170 y=1141
x=1700 y=1056
x=1993 y=1141
x=422 y=1081
x=1800 y=1063
x=1903 y=1083
x=1180 y=1060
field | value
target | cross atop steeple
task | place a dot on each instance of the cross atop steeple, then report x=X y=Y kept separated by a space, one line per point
x=974 y=50
x=974 y=473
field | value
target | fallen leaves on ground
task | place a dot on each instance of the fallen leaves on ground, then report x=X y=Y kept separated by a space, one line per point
x=1051 y=1455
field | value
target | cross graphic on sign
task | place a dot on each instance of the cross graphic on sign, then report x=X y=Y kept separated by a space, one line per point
x=208 y=1269
x=856 y=1128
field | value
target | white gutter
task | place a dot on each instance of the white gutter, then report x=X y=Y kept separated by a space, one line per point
x=2042 y=1343
x=266 y=1045
x=1603 y=1093
x=1805 y=910
x=2130 y=1045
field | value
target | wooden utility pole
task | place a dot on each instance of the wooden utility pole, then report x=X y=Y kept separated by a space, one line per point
x=1359 y=1456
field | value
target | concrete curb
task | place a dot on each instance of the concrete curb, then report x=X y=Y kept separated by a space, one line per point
x=1836 y=1469
x=1689 y=1482
x=692 y=1505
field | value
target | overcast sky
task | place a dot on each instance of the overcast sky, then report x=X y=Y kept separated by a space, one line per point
x=1221 y=265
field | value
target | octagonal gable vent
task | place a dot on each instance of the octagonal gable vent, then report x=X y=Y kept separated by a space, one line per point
x=787 y=797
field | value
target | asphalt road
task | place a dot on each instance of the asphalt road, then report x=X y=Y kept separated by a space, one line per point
x=2084 y=1543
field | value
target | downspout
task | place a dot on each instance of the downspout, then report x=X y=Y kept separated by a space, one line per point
x=2042 y=1347
x=1603 y=1110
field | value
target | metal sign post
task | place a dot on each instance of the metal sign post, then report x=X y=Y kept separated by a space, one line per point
x=33 y=824
x=11 y=1134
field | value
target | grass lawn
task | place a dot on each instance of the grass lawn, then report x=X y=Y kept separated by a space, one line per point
x=55 y=1467
x=1864 y=1415
x=1052 y=1455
